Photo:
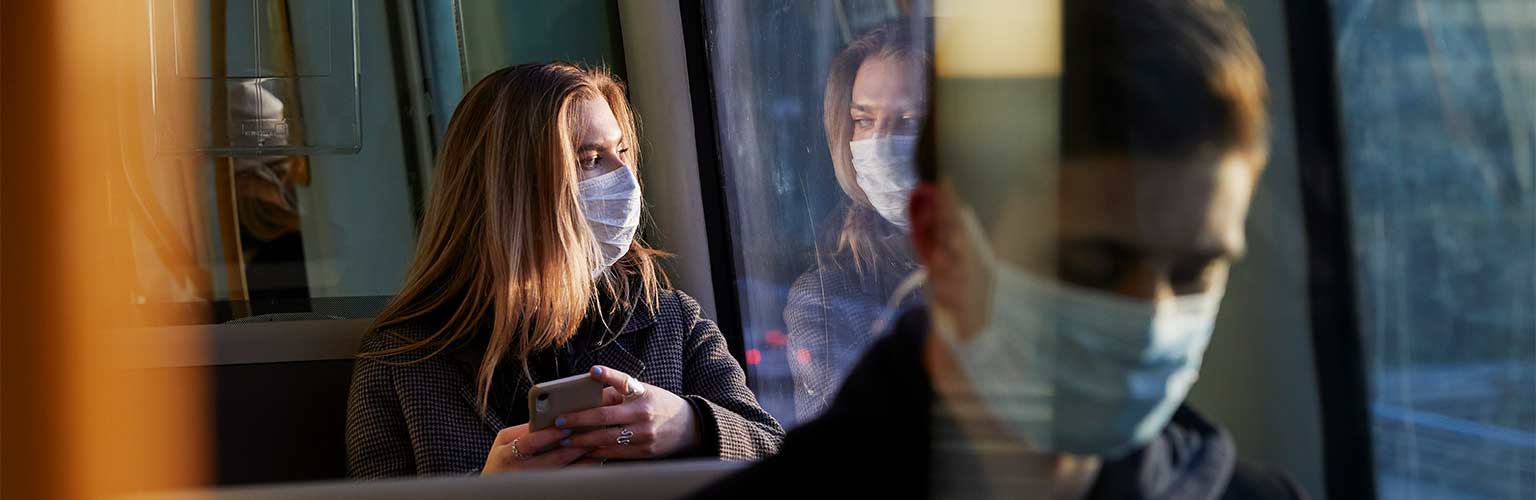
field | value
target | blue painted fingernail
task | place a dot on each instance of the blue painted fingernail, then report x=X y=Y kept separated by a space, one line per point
x=597 y=371
x=566 y=432
x=565 y=442
x=560 y=422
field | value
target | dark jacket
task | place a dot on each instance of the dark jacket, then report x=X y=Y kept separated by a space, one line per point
x=830 y=315
x=421 y=418
x=876 y=442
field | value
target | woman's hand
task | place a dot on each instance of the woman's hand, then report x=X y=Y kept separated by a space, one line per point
x=515 y=449
x=658 y=423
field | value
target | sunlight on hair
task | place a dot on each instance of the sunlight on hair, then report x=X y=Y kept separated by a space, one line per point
x=516 y=260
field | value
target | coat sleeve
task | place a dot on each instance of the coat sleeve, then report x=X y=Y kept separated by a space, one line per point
x=716 y=386
x=378 y=442
x=812 y=326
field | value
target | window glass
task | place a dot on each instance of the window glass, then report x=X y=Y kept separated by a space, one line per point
x=1438 y=113
x=808 y=305
x=326 y=235
x=331 y=234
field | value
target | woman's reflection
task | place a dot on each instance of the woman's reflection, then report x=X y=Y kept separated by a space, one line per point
x=873 y=104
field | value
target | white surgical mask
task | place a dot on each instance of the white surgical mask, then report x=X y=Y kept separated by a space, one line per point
x=886 y=173
x=1075 y=370
x=611 y=203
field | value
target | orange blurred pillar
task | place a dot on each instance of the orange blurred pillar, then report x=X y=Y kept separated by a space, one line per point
x=76 y=420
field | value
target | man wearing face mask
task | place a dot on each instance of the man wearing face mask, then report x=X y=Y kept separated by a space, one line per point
x=1069 y=307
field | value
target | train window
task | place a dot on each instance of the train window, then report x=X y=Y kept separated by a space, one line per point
x=817 y=105
x=328 y=235
x=1438 y=124
x=269 y=77
x=320 y=236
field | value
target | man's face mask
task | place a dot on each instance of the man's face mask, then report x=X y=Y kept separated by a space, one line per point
x=885 y=172
x=1076 y=370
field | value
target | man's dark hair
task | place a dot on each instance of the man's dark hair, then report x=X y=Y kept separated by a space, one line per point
x=1157 y=79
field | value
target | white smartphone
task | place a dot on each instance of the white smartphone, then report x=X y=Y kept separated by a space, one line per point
x=552 y=399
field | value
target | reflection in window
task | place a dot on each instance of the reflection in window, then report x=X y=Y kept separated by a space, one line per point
x=267 y=210
x=1439 y=121
x=817 y=107
x=328 y=235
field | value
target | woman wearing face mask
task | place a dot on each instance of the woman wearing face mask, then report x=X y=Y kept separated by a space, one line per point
x=529 y=270
x=871 y=111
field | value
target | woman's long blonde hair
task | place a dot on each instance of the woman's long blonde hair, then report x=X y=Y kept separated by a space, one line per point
x=504 y=246
x=864 y=236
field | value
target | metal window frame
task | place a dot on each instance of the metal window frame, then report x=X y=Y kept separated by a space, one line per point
x=408 y=51
x=716 y=206
x=1343 y=390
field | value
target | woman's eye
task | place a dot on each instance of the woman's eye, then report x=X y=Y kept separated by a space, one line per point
x=862 y=122
x=590 y=162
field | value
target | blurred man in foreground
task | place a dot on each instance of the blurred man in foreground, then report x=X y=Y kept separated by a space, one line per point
x=1070 y=300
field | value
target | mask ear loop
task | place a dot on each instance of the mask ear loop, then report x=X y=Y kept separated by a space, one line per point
x=916 y=279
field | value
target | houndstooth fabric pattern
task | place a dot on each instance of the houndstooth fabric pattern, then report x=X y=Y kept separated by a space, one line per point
x=421 y=418
x=830 y=315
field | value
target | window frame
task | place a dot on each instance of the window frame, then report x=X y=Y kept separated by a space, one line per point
x=717 y=210
x=1349 y=466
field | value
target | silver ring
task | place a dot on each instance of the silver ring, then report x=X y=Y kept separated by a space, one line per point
x=518 y=454
x=625 y=437
x=633 y=388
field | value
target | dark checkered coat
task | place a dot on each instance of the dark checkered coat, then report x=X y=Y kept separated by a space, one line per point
x=831 y=313
x=422 y=419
